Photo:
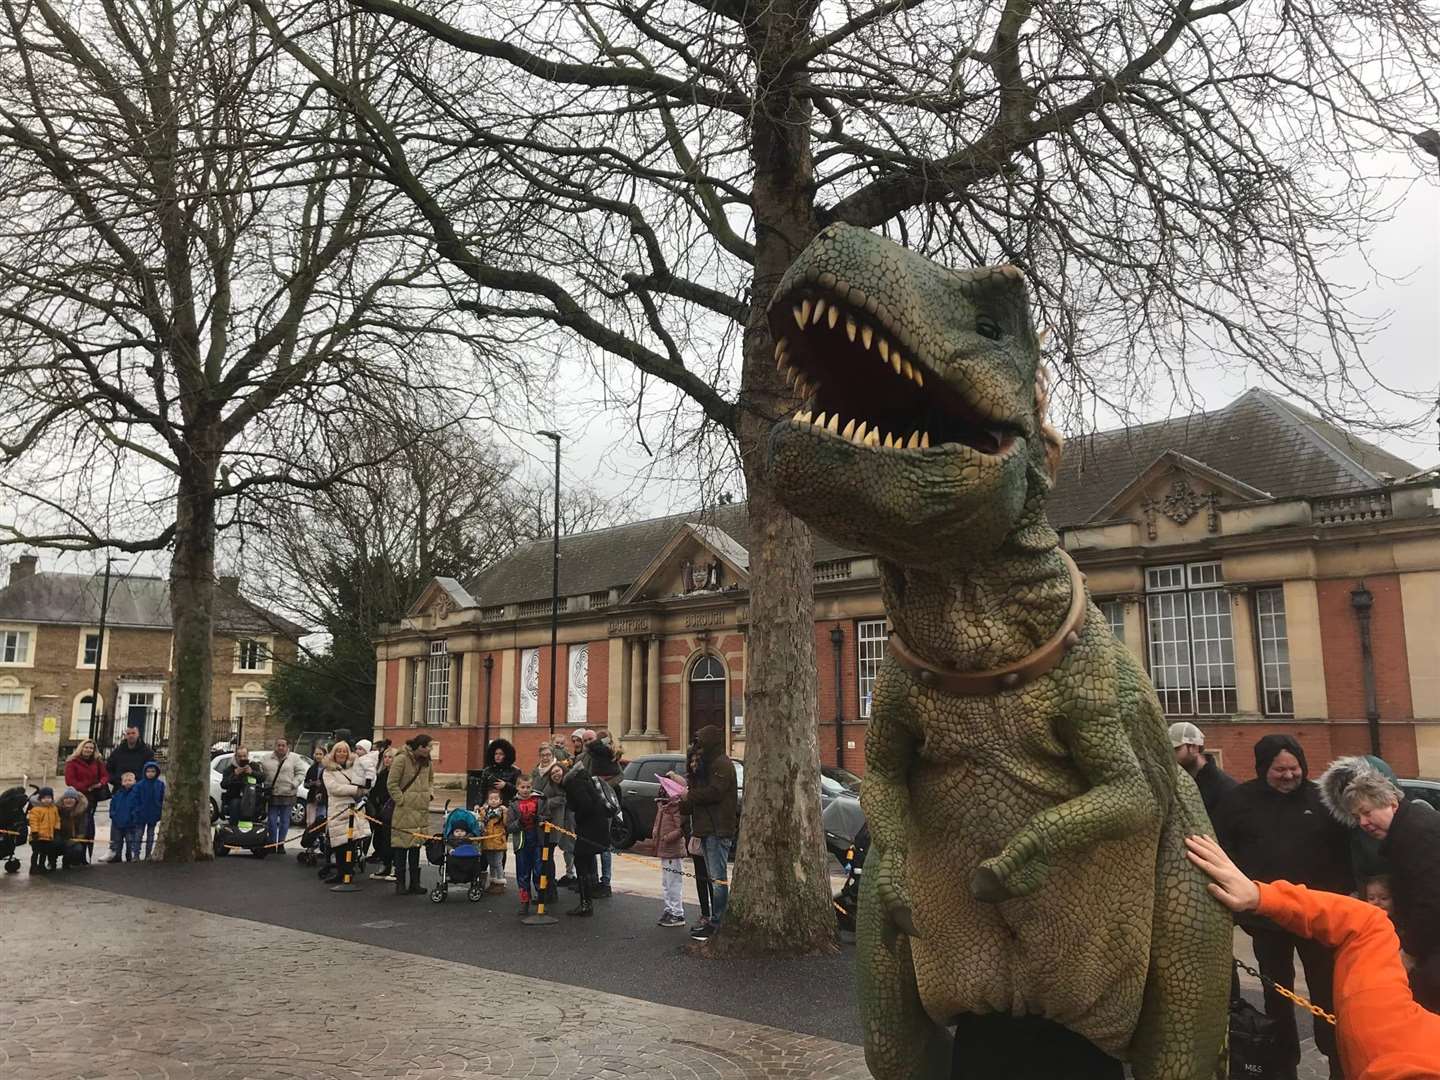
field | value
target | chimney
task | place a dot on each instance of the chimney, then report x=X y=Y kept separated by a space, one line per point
x=228 y=583
x=23 y=567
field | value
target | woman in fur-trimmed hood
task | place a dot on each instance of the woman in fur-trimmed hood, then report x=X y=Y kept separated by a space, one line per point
x=1365 y=858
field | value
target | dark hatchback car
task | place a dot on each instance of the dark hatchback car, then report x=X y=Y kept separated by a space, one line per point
x=640 y=784
x=1424 y=790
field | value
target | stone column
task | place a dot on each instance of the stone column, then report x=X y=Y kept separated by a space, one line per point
x=469 y=686
x=652 y=689
x=382 y=669
x=1247 y=671
x=636 y=720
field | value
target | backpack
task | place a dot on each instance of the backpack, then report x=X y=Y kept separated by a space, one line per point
x=1255 y=1052
x=607 y=796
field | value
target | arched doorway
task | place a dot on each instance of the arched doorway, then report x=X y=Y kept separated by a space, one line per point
x=707 y=694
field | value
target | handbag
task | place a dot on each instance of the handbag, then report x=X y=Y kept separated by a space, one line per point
x=387 y=809
x=695 y=848
x=1255 y=1052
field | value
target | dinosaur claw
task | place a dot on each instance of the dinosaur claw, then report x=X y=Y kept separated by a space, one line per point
x=986 y=886
x=904 y=920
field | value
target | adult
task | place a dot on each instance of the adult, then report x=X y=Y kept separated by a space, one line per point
x=1408 y=832
x=344 y=791
x=500 y=772
x=86 y=773
x=603 y=757
x=411 y=778
x=1189 y=743
x=285 y=773
x=694 y=769
x=1276 y=828
x=592 y=834
x=375 y=807
x=315 y=802
x=235 y=776
x=74 y=813
x=130 y=756
x=712 y=803
x=1381 y=1030
x=1366 y=860
x=577 y=746
x=549 y=784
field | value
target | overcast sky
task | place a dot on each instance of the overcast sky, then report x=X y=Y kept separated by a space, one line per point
x=604 y=451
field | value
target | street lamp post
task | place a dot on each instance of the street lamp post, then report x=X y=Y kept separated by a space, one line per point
x=554 y=579
x=837 y=640
x=1361 y=601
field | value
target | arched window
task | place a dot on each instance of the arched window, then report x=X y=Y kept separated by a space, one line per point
x=80 y=728
x=707 y=668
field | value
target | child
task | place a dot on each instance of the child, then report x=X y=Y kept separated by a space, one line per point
x=670 y=847
x=74 y=820
x=44 y=825
x=523 y=824
x=1377 y=894
x=151 y=798
x=492 y=841
x=124 y=820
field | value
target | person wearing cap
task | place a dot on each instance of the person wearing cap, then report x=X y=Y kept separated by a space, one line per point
x=1276 y=828
x=44 y=817
x=1189 y=743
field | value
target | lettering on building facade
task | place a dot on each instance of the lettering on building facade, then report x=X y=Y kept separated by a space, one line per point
x=632 y=624
x=702 y=620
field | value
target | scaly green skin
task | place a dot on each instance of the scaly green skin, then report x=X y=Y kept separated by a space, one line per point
x=1048 y=820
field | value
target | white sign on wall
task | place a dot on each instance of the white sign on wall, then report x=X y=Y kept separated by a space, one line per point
x=530 y=686
x=577 y=705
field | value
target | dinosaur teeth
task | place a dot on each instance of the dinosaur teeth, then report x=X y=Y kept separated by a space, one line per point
x=909 y=371
x=860 y=434
x=799 y=312
x=895 y=361
x=832 y=316
x=850 y=327
x=914 y=442
x=834 y=426
x=805 y=307
x=919 y=378
x=866 y=334
x=820 y=420
x=873 y=439
x=849 y=429
x=884 y=347
x=802 y=416
x=925 y=440
x=819 y=311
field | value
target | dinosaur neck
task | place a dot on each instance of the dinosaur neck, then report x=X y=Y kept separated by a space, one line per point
x=986 y=612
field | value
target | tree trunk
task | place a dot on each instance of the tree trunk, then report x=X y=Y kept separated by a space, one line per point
x=185 y=829
x=781 y=896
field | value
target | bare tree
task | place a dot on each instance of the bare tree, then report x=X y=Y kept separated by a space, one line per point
x=1170 y=177
x=197 y=276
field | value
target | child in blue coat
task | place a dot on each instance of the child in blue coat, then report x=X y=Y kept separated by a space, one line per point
x=151 y=796
x=125 y=820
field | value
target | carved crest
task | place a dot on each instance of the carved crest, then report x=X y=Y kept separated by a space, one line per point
x=701 y=576
x=442 y=606
x=1180 y=504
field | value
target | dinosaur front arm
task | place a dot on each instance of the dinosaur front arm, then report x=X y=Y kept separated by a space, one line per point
x=1117 y=803
x=890 y=747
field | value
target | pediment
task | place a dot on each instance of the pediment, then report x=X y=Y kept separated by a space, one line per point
x=442 y=597
x=698 y=559
x=1180 y=488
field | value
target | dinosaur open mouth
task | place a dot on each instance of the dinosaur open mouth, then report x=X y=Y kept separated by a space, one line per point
x=861 y=386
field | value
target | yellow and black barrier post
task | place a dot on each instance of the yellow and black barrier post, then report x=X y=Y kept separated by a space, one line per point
x=347 y=867
x=547 y=873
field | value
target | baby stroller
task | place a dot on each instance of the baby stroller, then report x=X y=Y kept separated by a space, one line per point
x=315 y=840
x=457 y=854
x=14 y=826
x=243 y=822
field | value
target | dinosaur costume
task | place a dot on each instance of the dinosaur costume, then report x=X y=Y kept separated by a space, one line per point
x=1025 y=807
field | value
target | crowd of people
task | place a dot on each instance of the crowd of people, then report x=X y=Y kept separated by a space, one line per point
x=1335 y=872
x=370 y=804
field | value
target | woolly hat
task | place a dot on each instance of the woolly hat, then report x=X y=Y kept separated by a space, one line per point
x=364 y=746
x=70 y=793
x=1272 y=746
x=45 y=792
x=1341 y=772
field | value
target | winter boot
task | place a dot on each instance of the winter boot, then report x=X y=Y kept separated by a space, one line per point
x=586 y=907
x=400 y=877
x=416 y=888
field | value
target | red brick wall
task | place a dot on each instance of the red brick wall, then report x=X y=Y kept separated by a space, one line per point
x=1322 y=743
x=1340 y=644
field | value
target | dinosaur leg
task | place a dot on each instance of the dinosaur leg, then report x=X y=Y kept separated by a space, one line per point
x=901 y=1041
x=1181 y=1031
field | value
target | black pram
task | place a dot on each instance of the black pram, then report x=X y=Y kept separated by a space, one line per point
x=14 y=826
x=242 y=822
x=847 y=900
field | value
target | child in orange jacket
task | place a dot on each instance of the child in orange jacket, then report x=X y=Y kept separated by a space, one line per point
x=44 y=826
x=1380 y=1030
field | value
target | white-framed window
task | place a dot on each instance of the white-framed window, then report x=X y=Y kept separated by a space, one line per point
x=17 y=646
x=1279 y=697
x=437 y=684
x=80 y=713
x=253 y=655
x=14 y=698
x=89 y=652
x=1192 y=644
x=870 y=639
x=1114 y=612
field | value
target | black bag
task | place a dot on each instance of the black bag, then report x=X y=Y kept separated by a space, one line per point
x=1255 y=1052
x=607 y=796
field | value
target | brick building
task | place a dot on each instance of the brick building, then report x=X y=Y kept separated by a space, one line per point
x=50 y=644
x=1241 y=553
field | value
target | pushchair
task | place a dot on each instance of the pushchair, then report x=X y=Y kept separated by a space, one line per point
x=457 y=855
x=847 y=900
x=242 y=824
x=315 y=840
x=14 y=826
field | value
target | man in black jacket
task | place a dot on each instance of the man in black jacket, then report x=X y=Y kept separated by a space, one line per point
x=1276 y=828
x=712 y=804
x=130 y=756
x=1409 y=835
x=1189 y=743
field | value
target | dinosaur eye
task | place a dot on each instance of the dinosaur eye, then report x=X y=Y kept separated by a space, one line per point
x=987 y=328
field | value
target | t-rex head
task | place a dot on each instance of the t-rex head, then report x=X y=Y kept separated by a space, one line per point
x=921 y=438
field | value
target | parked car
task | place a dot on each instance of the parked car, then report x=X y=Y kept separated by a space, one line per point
x=217 y=766
x=1424 y=790
x=844 y=777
